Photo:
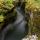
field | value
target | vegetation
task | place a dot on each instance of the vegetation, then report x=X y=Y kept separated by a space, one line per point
x=33 y=7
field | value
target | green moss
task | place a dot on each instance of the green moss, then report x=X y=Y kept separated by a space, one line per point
x=1 y=18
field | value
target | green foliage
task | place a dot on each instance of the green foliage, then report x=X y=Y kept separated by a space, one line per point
x=34 y=7
x=9 y=2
